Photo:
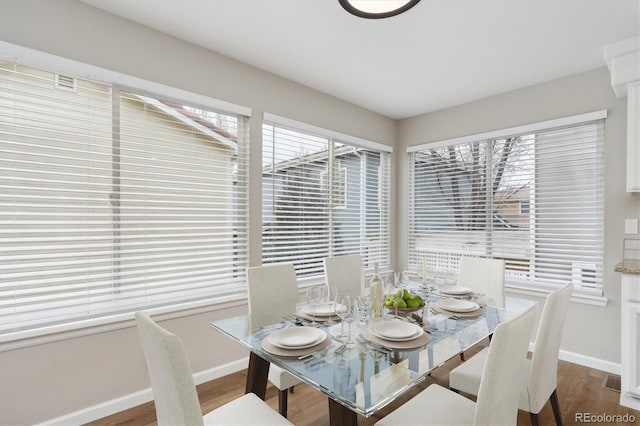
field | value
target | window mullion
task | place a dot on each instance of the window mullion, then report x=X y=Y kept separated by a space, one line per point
x=115 y=182
x=489 y=189
x=331 y=189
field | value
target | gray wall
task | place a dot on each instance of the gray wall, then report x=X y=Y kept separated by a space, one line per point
x=590 y=331
x=53 y=379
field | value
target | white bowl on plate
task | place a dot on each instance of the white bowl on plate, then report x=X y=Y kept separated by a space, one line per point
x=455 y=290
x=396 y=330
x=321 y=310
x=297 y=337
x=457 y=305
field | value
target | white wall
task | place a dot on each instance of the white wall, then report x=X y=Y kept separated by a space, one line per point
x=50 y=380
x=590 y=331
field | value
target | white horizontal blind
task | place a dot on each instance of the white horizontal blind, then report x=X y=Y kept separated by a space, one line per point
x=535 y=200
x=112 y=201
x=322 y=197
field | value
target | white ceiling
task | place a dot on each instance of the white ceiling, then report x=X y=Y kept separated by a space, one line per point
x=439 y=54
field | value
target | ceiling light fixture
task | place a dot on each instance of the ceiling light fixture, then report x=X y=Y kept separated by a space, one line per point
x=376 y=9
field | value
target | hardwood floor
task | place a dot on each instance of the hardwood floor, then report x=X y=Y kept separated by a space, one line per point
x=580 y=390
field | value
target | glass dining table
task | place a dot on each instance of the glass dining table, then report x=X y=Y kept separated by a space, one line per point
x=363 y=379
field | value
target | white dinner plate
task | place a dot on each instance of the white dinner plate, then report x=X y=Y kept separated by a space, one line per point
x=457 y=305
x=321 y=310
x=396 y=330
x=297 y=337
x=456 y=290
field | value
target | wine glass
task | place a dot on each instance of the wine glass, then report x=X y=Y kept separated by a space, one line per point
x=361 y=302
x=421 y=272
x=439 y=278
x=314 y=297
x=443 y=279
x=404 y=278
x=350 y=318
x=332 y=299
x=343 y=309
x=394 y=291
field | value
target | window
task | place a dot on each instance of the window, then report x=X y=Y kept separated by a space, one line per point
x=534 y=199
x=321 y=197
x=113 y=200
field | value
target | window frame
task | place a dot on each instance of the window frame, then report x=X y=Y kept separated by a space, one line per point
x=57 y=65
x=597 y=299
x=335 y=141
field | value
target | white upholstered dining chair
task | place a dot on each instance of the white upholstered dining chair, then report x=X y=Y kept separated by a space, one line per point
x=541 y=370
x=497 y=402
x=273 y=289
x=174 y=391
x=344 y=273
x=483 y=276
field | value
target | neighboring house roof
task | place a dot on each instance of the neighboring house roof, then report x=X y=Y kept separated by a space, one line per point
x=191 y=119
x=316 y=157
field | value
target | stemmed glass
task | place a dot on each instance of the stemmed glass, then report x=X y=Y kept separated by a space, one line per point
x=421 y=272
x=450 y=277
x=361 y=311
x=314 y=298
x=343 y=309
x=350 y=318
x=332 y=298
x=392 y=290
x=439 y=279
x=404 y=278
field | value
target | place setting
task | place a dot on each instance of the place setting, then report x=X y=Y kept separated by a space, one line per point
x=296 y=341
x=395 y=334
x=454 y=291
x=320 y=313
x=320 y=307
x=457 y=307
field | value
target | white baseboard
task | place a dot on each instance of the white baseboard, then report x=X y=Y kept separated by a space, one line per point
x=586 y=361
x=113 y=406
x=220 y=371
x=116 y=405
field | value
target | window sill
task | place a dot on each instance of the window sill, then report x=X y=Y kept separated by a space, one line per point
x=584 y=299
x=44 y=335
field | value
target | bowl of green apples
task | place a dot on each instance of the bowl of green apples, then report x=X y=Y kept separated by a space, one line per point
x=403 y=302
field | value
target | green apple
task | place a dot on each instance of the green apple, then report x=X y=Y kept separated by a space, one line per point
x=399 y=303
x=417 y=299
x=413 y=303
x=406 y=295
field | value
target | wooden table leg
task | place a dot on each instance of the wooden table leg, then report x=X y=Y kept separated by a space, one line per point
x=340 y=415
x=257 y=375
